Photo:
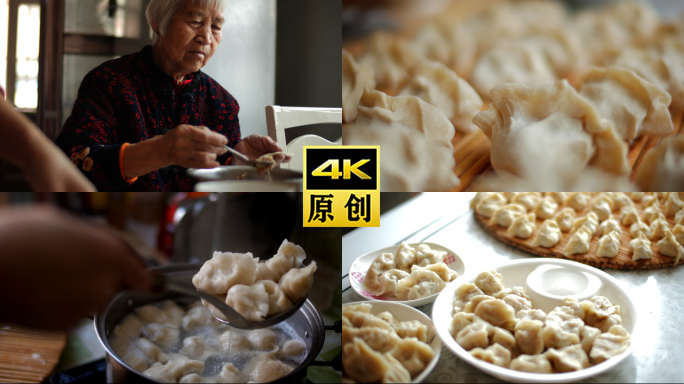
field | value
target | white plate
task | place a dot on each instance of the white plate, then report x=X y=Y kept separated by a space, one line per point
x=515 y=274
x=358 y=270
x=405 y=313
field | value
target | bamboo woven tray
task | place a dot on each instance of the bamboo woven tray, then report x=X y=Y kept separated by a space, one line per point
x=623 y=260
x=28 y=355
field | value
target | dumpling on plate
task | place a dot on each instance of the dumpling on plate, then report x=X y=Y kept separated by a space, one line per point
x=360 y=362
x=495 y=354
x=609 y=344
x=528 y=335
x=405 y=257
x=496 y=312
x=420 y=283
x=413 y=354
x=464 y=293
x=568 y=359
x=531 y=363
x=442 y=270
x=389 y=280
x=383 y=263
x=426 y=256
x=490 y=282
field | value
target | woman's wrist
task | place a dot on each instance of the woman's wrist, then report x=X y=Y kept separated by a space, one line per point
x=143 y=157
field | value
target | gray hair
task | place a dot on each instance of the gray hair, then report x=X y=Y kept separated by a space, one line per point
x=161 y=12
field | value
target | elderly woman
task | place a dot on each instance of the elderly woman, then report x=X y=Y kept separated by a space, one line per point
x=140 y=120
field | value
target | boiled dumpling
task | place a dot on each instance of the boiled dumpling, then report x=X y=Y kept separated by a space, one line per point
x=152 y=314
x=602 y=206
x=405 y=257
x=413 y=354
x=411 y=328
x=528 y=335
x=474 y=335
x=225 y=270
x=639 y=227
x=195 y=378
x=195 y=347
x=609 y=225
x=573 y=304
x=289 y=256
x=587 y=336
x=354 y=79
x=640 y=247
x=278 y=302
x=250 y=301
x=474 y=302
x=495 y=354
x=502 y=337
x=409 y=111
x=292 y=348
x=420 y=283
x=296 y=283
x=197 y=317
x=490 y=282
x=164 y=334
x=658 y=228
x=597 y=309
x=263 y=339
x=232 y=341
x=441 y=87
x=460 y=321
x=380 y=340
x=361 y=320
x=636 y=106
x=568 y=359
x=464 y=293
x=590 y=221
x=389 y=280
x=159 y=372
x=669 y=246
x=529 y=200
x=442 y=270
x=565 y=218
x=517 y=291
x=562 y=328
x=518 y=303
x=628 y=215
x=523 y=226
x=579 y=242
x=549 y=234
x=389 y=57
x=264 y=368
x=130 y=326
x=229 y=374
x=534 y=364
x=531 y=314
x=609 y=245
x=609 y=344
x=381 y=264
x=177 y=367
x=360 y=362
x=546 y=208
x=496 y=312
x=425 y=255
x=505 y=215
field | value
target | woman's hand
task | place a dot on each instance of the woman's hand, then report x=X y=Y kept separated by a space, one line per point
x=55 y=270
x=185 y=145
x=254 y=146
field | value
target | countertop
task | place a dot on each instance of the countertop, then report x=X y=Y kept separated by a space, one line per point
x=447 y=220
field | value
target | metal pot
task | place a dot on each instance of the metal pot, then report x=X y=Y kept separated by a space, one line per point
x=307 y=323
x=240 y=178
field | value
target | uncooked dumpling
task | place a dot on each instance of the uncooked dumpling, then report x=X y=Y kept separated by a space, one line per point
x=678 y=232
x=635 y=106
x=490 y=204
x=602 y=206
x=546 y=208
x=640 y=227
x=652 y=212
x=588 y=221
x=609 y=245
x=565 y=218
x=672 y=205
x=669 y=246
x=297 y=282
x=609 y=225
x=441 y=87
x=578 y=200
x=548 y=235
x=658 y=228
x=529 y=200
x=523 y=226
x=389 y=57
x=662 y=168
x=409 y=161
x=410 y=111
x=354 y=80
x=225 y=270
x=505 y=215
x=640 y=247
x=579 y=242
x=549 y=134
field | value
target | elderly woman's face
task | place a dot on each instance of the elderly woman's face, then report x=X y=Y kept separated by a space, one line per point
x=192 y=38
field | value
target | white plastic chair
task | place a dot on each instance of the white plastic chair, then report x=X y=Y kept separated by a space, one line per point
x=278 y=119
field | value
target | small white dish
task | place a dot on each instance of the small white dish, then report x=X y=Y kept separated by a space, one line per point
x=360 y=266
x=403 y=312
x=516 y=274
x=549 y=284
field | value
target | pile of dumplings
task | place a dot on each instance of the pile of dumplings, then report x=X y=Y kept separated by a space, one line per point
x=585 y=215
x=382 y=349
x=567 y=93
x=500 y=325
x=171 y=344
x=257 y=290
x=410 y=274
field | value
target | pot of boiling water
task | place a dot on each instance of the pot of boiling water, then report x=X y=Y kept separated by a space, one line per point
x=306 y=323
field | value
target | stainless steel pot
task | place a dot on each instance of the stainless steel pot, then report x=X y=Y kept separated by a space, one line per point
x=307 y=323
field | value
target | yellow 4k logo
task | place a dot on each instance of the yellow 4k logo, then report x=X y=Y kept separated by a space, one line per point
x=347 y=167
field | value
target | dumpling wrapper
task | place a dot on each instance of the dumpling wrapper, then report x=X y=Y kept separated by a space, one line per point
x=549 y=134
x=389 y=57
x=549 y=234
x=662 y=168
x=640 y=247
x=354 y=80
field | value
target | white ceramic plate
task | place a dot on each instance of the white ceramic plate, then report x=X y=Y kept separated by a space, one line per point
x=405 y=313
x=358 y=270
x=515 y=274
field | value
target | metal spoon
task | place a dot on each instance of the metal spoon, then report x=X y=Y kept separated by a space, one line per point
x=232 y=317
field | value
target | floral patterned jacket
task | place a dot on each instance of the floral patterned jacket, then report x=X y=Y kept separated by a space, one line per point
x=129 y=100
